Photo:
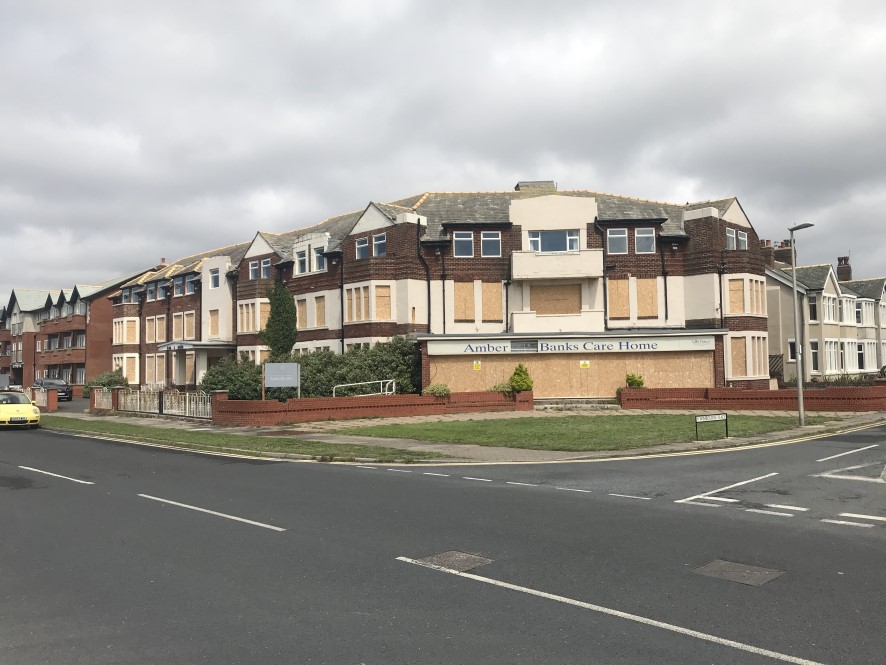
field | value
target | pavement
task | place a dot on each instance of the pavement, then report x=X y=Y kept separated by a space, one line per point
x=336 y=432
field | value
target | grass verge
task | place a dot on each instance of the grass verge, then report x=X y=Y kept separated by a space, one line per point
x=223 y=442
x=583 y=433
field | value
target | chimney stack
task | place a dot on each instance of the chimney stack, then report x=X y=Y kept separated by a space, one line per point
x=768 y=252
x=844 y=270
x=783 y=252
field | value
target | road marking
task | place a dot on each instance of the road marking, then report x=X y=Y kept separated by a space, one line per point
x=371 y=468
x=699 y=503
x=707 y=495
x=848 y=452
x=631 y=496
x=768 y=512
x=722 y=498
x=485 y=480
x=211 y=512
x=521 y=484
x=619 y=614
x=399 y=470
x=837 y=473
x=866 y=526
x=55 y=475
x=783 y=507
x=571 y=489
x=441 y=475
x=864 y=517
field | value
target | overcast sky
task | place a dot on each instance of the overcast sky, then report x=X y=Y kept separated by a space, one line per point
x=131 y=131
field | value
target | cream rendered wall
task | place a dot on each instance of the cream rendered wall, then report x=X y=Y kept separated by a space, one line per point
x=735 y=215
x=412 y=293
x=372 y=219
x=477 y=325
x=258 y=247
x=545 y=213
x=221 y=298
x=701 y=295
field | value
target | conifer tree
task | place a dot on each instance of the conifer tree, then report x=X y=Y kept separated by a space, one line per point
x=279 y=332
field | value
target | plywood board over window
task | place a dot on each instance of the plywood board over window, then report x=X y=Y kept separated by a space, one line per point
x=132 y=332
x=739 y=351
x=150 y=326
x=647 y=298
x=213 y=323
x=555 y=299
x=190 y=368
x=464 y=301
x=736 y=296
x=161 y=329
x=190 y=326
x=349 y=309
x=619 y=298
x=264 y=312
x=177 y=327
x=301 y=313
x=161 y=368
x=129 y=370
x=320 y=311
x=491 y=293
x=383 y=302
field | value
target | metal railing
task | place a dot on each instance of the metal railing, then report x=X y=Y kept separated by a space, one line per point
x=385 y=387
x=190 y=405
x=103 y=399
x=141 y=401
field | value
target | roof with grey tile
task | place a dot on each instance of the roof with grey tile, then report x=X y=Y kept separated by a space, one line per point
x=867 y=288
x=812 y=277
x=186 y=265
x=30 y=300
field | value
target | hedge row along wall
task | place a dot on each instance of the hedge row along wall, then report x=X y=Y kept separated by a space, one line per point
x=833 y=398
x=268 y=412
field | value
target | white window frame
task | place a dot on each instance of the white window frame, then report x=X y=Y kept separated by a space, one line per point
x=301 y=262
x=461 y=238
x=742 y=243
x=730 y=239
x=812 y=302
x=643 y=233
x=214 y=278
x=319 y=259
x=814 y=364
x=380 y=244
x=616 y=233
x=792 y=350
x=178 y=287
x=266 y=268
x=151 y=292
x=361 y=246
x=253 y=270
x=190 y=284
x=490 y=236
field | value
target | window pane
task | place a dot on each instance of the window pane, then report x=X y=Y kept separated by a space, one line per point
x=265 y=268
x=301 y=260
x=463 y=243
x=572 y=240
x=730 y=238
x=490 y=243
x=742 y=240
x=618 y=241
x=644 y=241
x=379 y=245
x=319 y=259
x=213 y=278
x=363 y=248
x=534 y=241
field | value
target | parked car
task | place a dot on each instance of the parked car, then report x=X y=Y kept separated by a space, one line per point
x=65 y=393
x=17 y=410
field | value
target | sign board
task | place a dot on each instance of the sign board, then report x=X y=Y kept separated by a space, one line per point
x=477 y=365
x=282 y=375
x=584 y=364
x=710 y=418
x=584 y=345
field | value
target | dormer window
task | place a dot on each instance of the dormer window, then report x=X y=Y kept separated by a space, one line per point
x=319 y=259
x=265 y=268
x=742 y=240
x=151 y=292
x=190 y=284
x=617 y=241
x=553 y=241
x=644 y=241
x=362 y=246
x=177 y=286
x=301 y=262
x=736 y=240
x=253 y=270
x=379 y=245
x=127 y=297
x=463 y=244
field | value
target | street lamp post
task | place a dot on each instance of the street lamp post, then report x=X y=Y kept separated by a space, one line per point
x=798 y=346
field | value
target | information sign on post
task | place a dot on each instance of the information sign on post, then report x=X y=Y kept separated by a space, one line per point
x=281 y=375
x=710 y=418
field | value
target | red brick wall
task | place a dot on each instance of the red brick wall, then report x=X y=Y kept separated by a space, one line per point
x=99 y=333
x=258 y=413
x=835 y=398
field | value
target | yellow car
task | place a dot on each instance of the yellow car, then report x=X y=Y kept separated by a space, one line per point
x=17 y=410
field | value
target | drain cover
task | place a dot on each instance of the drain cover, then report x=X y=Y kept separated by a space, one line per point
x=455 y=560
x=738 y=572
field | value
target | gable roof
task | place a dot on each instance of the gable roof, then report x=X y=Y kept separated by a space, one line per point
x=867 y=288
x=30 y=300
x=186 y=265
x=813 y=278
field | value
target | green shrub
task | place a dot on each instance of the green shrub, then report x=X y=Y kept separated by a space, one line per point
x=634 y=380
x=520 y=380
x=502 y=388
x=239 y=376
x=438 y=390
x=107 y=380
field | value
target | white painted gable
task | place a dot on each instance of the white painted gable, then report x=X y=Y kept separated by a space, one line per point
x=735 y=215
x=371 y=219
x=831 y=285
x=259 y=247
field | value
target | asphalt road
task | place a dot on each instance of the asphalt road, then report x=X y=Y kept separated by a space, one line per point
x=311 y=563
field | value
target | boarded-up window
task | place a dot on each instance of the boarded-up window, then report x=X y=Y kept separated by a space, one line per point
x=161 y=329
x=555 y=299
x=129 y=370
x=213 y=323
x=177 y=328
x=364 y=314
x=131 y=332
x=349 y=307
x=301 y=313
x=264 y=310
x=383 y=302
x=739 y=356
x=647 y=298
x=190 y=369
x=263 y=355
x=150 y=324
x=736 y=296
x=150 y=370
x=190 y=327
x=619 y=299
x=491 y=294
x=464 y=301
x=320 y=311
x=161 y=368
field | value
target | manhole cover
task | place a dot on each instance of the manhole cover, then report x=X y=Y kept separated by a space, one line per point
x=454 y=560
x=738 y=572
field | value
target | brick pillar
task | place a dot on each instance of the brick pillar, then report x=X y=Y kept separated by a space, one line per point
x=217 y=396
x=719 y=361
x=52 y=400
x=115 y=397
x=425 y=365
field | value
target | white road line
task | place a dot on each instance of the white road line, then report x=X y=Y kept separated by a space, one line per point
x=707 y=495
x=441 y=475
x=55 y=475
x=211 y=512
x=848 y=452
x=864 y=517
x=485 y=480
x=866 y=526
x=521 y=484
x=371 y=468
x=838 y=473
x=399 y=470
x=721 y=498
x=619 y=614
x=768 y=512
x=630 y=496
x=699 y=503
x=571 y=489
x=783 y=507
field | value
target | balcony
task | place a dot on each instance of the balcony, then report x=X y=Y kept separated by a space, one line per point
x=76 y=355
x=588 y=321
x=585 y=263
x=71 y=323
